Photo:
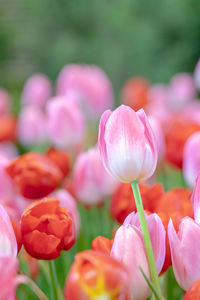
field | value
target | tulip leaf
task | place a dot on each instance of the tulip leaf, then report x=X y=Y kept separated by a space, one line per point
x=150 y=284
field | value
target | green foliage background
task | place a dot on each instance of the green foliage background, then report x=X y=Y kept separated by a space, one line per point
x=154 y=38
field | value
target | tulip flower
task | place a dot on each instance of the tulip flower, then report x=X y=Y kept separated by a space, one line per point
x=35 y=175
x=197 y=75
x=31 y=126
x=89 y=84
x=47 y=229
x=5 y=102
x=127 y=144
x=135 y=92
x=92 y=183
x=65 y=122
x=67 y=201
x=195 y=199
x=123 y=202
x=102 y=244
x=7 y=128
x=37 y=90
x=193 y=292
x=61 y=159
x=8 y=244
x=128 y=248
x=95 y=275
x=178 y=130
x=181 y=90
x=191 y=159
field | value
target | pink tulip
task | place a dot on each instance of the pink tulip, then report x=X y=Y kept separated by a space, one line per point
x=181 y=90
x=67 y=201
x=8 y=243
x=127 y=144
x=159 y=136
x=128 y=248
x=31 y=126
x=5 y=102
x=191 y=159
x=65 y=122
x=8 y=277
x=92 y=183
x=185 y=253
x=37 y=90
x=197 y=75
x=91 y=85
x=195 y=199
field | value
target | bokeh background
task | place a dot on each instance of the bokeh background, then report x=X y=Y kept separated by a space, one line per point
x=154 y=39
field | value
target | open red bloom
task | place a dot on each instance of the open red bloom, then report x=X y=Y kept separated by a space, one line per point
x=135 y=92
x=47 y=229
x=194 y=291
x=61 y=159
x=174 y=204
x=102 y=244
x=177 y=131
x=7 y=128
x=123 y=202
x=94 y=275
x=35 y=175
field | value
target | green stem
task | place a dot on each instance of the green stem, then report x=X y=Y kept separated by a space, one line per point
x=54 y=280
x=146 y=237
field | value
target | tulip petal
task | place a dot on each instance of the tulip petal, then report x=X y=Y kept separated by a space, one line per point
x=195 y=199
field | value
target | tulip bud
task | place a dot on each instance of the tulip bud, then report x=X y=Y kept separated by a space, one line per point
x=102 y=244
x=191 y=159
x=128 y=248
x=35 y=175
x=47 y=229
x=193 y=292
x=37 y=90
x=127 y=144
x=90 y=84
x=31 y=126
x=95 y=275
x=65 y=122
x=92 y=183
x=61 y=159
x=185 y=254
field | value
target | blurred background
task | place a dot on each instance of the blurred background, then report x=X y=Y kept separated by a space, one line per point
x=154 y=39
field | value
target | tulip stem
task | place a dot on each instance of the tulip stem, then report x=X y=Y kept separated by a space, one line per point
x=54 y=280
x=146 y=237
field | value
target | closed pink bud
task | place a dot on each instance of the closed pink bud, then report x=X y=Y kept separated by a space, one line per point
x=92 y=183
x=181 y=90
x=197 y=75
x=128 y=248
x=185 y=253
x=191 y=159
x=127 y=144
x=5 y=102
x=91 y=85
x=8 y=243
x=65 y=122
x=37 y=90
x=66 y=200
x=31 y=126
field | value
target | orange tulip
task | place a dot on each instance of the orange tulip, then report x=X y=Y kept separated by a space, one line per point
x=174 y=204
x=94 y=275
x=102 y=244
x=135 y=92
x=7 y=128
x=179 y=129
x=123 y=202
x=194 y=291
x=47 y=229
x=61 y=159
x=35 y=175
